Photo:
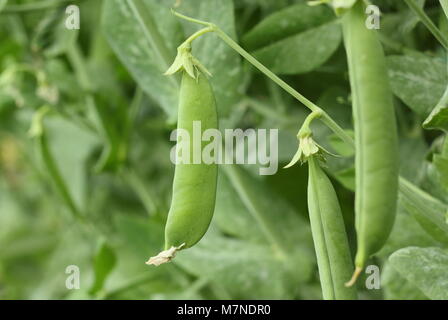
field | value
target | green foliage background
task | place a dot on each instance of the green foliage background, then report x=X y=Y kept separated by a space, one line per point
x=106 y=135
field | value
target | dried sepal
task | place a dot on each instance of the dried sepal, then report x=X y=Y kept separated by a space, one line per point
x=164 y=256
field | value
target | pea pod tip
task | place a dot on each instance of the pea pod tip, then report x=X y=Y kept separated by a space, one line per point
x=355 y=276
x=164 y=256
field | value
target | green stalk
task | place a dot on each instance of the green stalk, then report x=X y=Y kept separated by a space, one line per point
x=428 y=22
x=326 y=119
x=37 y=130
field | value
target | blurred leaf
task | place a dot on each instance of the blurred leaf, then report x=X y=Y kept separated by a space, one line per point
x=438 y=119
x=428 y=211
x=397 y=287
x=303 y=52
x=52 y=37
x=273 y=215
x=70 y=147
x=406 y=232
x=425 y=268
x=133 y=30
x=410 y=19
x=222 y=61
x=441 y=164
x=413 y=150
x=417 y=81
x=286 y=22
x=346 y=177
x=103 y=263
x=142 y=237
x=246 y=270
x=340 y=146
x=72 y=248
x=231 y=216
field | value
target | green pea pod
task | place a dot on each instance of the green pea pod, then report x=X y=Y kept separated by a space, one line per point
x=194 y=186
x=375 y=136
x=329 y=236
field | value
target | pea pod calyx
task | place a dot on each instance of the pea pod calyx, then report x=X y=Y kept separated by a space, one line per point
x=186 y=61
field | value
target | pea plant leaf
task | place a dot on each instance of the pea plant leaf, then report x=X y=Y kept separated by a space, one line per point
x=245 y=269
x=103 y=263
x=231 y=215
x=273 y=217
x=427 y=210
x=301 y=53
x=223 y=63
x=441 y=164
x=407 y=232
x=413 y=150
x=284 y=23
x=133 y=31
x=410 y=19
x=438 y=118
x=425 y=268
x=419 y=81
x=397 y=287
x=295 y=40
x=70 y=147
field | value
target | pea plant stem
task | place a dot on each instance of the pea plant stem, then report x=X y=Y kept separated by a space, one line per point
x=197 y=34
x=428 y=22
x=326 y=119
x=444 y=4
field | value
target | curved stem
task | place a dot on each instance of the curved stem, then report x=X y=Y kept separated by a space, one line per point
x=305 y=128
x=197 y=34
x=326 y=119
